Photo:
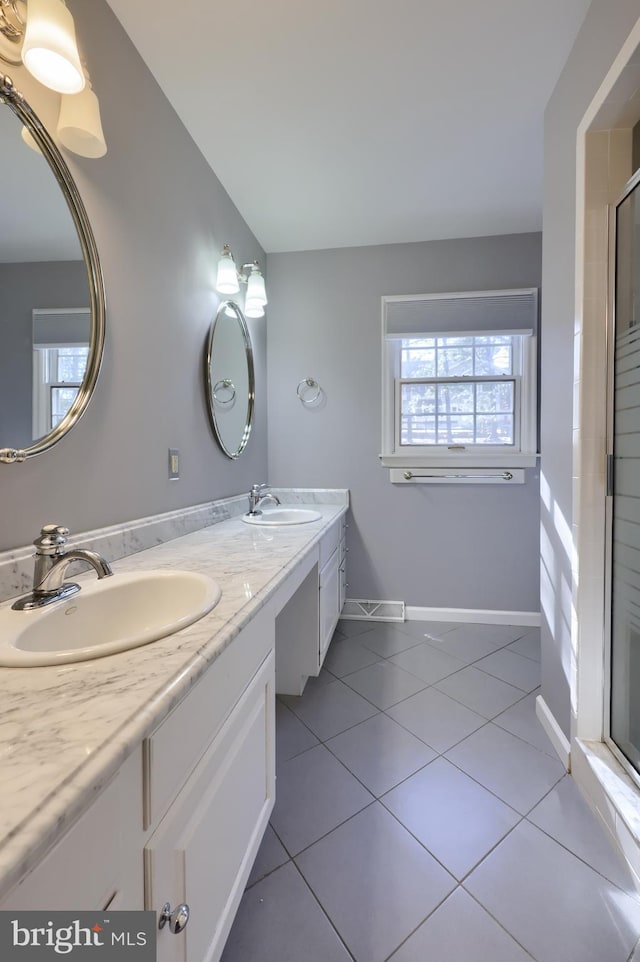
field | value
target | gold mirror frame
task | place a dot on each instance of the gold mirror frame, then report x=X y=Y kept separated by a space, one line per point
x=14 y=99
x=211 y=387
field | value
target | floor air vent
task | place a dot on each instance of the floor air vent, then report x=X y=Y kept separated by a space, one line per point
x=357 y=609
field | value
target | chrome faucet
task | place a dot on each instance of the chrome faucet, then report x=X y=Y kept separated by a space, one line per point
x=51 y=563
x=256 y=498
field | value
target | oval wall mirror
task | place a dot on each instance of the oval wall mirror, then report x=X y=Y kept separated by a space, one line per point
x=52 y=304
x=230 y=379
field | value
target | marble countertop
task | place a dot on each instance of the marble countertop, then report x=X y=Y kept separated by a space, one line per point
x=65 y=730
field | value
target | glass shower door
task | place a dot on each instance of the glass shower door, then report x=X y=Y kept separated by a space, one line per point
x=624 y=483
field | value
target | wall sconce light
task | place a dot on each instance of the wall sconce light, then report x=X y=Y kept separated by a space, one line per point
x=229 y=279
x=41 y=34
x=79 y=126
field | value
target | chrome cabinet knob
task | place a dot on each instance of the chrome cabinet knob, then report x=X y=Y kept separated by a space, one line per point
x=177 y=919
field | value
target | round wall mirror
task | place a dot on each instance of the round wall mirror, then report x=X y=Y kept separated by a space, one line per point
x=230 y=379
x=52 y=304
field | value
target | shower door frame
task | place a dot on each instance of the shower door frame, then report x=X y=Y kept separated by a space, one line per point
x=628 y=766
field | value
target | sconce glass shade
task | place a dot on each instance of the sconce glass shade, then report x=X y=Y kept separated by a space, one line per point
x=256 y=294
x=253 y=309
x=28 y=138
x=49 y=51
x=227 y=277
x=79 y=125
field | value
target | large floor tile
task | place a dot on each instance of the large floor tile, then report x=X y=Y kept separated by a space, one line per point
x=427 y=662
x=437 y=719
x=460 y=931
x=463 y=645
x=317 y=681
x=375 y=882
x=426 y=630
x=454 y=817
x=528 y=645
x=515 y=669
x=565 y=815
x=314 y=794
x=347 y=655
x=521 y=720
x=279 y=920
x=552 y=903
x=271 y=855
x=380 y=753
x=507 y=766
x=331 y=709
x=387 y=640
x=350 y=628
x=483 y=693
x=495 y=635
x=384 y=684
x=292 y=737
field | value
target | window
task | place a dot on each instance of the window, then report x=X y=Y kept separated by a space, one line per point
x=459 y=380
x=60 y=354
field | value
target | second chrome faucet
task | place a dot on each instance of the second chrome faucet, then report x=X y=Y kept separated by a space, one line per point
x=256 y=498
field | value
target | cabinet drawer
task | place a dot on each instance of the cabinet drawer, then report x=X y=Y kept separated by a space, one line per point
x=176 y=746
x=329 y=542
x=96 y=863
x=204 y=848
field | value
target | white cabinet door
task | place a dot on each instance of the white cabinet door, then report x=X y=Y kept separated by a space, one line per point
x=202 y=852
x=343 y=569
x=329 y=601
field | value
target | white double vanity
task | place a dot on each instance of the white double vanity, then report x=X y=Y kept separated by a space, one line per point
x=145 y=779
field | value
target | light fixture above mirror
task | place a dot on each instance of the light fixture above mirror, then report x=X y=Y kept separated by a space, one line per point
x=229 y=279
x=49 y=48
x=41 y=35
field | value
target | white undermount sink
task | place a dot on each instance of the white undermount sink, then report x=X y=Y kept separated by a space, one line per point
x=106 y=616
x=275 y=516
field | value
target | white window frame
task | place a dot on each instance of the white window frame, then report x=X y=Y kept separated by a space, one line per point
x=44 y=358
x=43 y=346
x=523 y=453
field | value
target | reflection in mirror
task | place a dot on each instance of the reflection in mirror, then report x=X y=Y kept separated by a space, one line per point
x=230 y=379
x=51 y=293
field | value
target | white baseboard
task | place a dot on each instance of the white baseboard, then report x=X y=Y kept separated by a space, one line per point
x=477 y=616
x=555 y=734
x=612 y=795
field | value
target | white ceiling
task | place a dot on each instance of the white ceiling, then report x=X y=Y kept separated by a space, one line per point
x=354 y=122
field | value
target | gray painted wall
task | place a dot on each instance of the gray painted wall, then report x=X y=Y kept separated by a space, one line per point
x=428 y=545
x=160 y=217
x=603 y=33
x=22 y=288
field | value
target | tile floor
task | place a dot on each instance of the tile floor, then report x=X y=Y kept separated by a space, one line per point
x=422 y=815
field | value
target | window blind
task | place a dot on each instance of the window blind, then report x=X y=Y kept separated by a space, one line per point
x=66 y=326
x=468 y=312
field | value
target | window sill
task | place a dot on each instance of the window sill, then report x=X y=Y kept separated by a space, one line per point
x=502 y=461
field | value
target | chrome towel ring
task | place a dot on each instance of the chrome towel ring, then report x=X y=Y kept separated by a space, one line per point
x=304 y=386
x=224 y=385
